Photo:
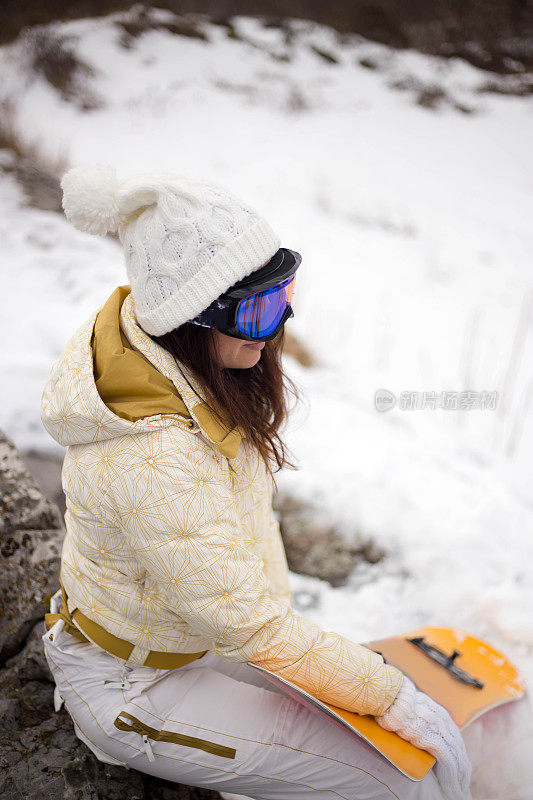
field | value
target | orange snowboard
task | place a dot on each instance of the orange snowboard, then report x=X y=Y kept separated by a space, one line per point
x=464 y=674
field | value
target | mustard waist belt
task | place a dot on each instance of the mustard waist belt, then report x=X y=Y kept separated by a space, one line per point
x=78 y=624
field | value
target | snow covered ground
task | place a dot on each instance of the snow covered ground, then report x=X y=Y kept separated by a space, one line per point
x=414 y=223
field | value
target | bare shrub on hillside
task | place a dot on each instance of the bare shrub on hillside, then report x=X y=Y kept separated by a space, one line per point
x=142 y=20
x=53 y=58
x=293 y=347
x=36 y=171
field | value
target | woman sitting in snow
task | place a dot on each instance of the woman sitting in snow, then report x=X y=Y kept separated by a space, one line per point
x=173 y=576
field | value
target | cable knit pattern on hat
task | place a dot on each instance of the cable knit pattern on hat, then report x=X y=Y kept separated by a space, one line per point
x=426 y=724
x=185 y=242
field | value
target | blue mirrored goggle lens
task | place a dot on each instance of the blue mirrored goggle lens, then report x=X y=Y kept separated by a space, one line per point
x=259 y=314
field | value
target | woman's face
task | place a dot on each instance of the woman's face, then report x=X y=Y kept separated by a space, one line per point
x=235 y=353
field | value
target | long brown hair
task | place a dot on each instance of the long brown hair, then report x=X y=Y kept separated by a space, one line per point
x=254 y=399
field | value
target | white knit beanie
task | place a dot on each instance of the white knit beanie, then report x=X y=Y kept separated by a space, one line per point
x=185 y=242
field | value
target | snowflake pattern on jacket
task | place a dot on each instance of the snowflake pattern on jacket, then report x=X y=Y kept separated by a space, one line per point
x=171 y=542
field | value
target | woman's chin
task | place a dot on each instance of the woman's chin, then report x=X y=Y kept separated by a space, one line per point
x=248 y=357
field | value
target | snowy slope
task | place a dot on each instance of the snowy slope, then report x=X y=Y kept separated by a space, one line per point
x=415 y=228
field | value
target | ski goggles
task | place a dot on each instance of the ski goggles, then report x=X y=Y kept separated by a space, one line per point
x=257 y=307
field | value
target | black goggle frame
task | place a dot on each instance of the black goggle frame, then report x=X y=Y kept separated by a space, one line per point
x=222 y=312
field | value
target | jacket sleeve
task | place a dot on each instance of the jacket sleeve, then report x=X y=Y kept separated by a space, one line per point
x=178 y=513
x=275 y=566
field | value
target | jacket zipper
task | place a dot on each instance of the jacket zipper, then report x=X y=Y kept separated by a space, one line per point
x=131 y=723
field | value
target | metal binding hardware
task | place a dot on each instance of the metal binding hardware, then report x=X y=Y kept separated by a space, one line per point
x=448 y=662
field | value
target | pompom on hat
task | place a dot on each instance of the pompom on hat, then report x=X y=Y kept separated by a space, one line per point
x=185 y=242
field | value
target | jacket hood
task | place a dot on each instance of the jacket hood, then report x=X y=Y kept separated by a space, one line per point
x=112 y=379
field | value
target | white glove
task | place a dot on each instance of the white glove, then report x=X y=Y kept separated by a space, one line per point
x=423 y=722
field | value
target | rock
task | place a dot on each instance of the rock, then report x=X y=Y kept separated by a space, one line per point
x=30 y=545
x=46 y=469
x=23 y=505
x=41 y=755
x=316 y=548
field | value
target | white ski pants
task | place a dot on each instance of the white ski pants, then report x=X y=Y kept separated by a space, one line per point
x=217 y=725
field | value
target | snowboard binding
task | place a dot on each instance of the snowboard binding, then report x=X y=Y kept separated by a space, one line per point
x=448 y=662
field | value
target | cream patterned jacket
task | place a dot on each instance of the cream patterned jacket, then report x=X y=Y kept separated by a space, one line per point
x=173 y=546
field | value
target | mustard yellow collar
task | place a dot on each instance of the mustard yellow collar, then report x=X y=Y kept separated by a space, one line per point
x=138 y=378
